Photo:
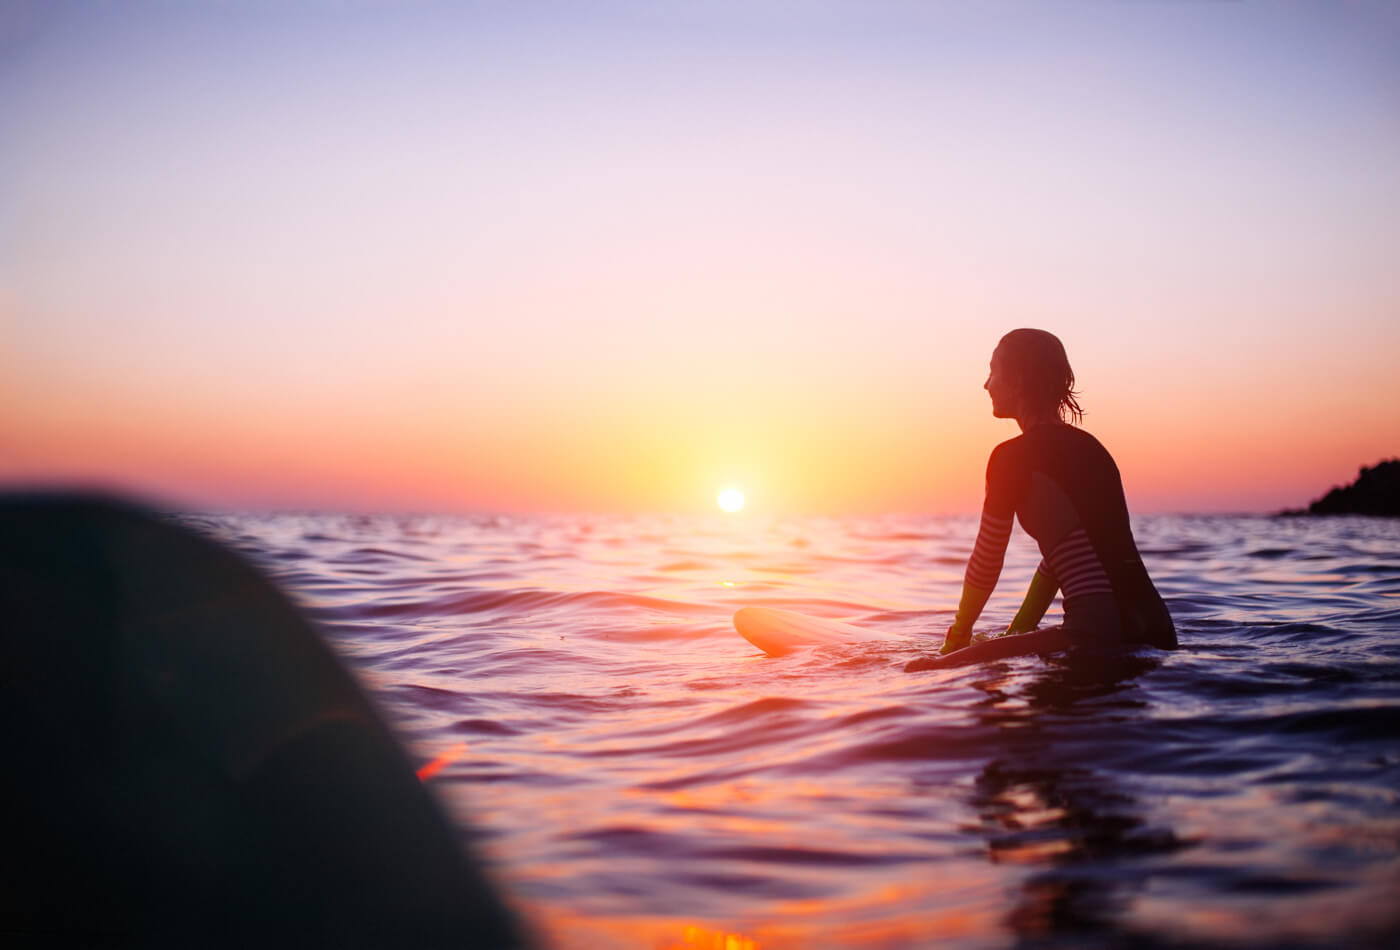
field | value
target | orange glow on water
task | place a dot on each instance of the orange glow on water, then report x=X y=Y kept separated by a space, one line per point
x=802 y=926
x=441 y=762
x=702 y=938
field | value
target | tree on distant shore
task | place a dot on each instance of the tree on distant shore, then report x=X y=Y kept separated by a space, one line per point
x=1376 y=491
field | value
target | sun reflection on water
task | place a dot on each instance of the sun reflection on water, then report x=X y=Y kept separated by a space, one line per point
x=701 y=938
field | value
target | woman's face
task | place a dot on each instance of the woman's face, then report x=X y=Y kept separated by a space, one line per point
x=1002 y=389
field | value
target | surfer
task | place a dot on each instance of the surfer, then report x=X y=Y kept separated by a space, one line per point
x=1064 y=487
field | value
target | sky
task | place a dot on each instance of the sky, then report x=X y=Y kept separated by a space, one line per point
x=618 y=256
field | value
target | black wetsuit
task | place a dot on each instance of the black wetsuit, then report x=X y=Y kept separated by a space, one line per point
x=1064 y=487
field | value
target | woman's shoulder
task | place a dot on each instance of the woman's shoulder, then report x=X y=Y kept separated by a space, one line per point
x=1085 y=438
x=1076 y=446
x=1007 y=453
x=1042 y=443
x=1045 y=441
x=1064 y=434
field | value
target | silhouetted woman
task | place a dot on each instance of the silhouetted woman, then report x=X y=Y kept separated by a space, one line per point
x=1065 y=489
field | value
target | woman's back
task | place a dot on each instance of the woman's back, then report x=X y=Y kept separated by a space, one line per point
x=1061 y=481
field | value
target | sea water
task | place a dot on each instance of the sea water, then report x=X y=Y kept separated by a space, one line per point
x=639 y=776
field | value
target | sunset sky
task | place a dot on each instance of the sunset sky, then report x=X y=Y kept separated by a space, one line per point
x=513 y=255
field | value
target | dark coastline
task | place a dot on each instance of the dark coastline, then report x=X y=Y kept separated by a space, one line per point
x=1376 y=491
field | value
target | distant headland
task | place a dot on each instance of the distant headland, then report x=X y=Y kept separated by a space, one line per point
x=1376 y=491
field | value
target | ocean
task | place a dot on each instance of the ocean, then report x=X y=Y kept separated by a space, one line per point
x=638 y=776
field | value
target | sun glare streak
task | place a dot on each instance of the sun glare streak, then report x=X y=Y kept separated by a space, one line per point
x=441 y=762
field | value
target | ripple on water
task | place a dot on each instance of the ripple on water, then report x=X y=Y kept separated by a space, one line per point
x=638 y=775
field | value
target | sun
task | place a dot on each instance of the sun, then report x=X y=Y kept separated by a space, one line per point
x=731 y=499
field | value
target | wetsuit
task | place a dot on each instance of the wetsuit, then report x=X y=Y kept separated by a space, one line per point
x=1065 y=488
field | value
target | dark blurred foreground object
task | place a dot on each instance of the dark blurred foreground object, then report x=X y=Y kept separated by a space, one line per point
x=185 y=762
x=1376 y=491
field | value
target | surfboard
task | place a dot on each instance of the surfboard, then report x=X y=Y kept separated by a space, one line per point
x=780 y=632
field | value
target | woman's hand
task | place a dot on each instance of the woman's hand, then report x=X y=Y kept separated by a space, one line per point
x=955 y=639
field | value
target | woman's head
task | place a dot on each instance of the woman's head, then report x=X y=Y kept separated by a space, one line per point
x=1033 y=372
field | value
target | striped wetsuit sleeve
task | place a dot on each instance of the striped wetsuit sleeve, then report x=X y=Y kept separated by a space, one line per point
x=984 y=567
x=1077 y=567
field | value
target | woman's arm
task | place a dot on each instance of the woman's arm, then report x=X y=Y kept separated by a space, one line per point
x=1038 y=597
x=983 y=569
x=970 y=607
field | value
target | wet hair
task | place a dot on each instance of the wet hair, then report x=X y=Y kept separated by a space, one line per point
x=1037 y=360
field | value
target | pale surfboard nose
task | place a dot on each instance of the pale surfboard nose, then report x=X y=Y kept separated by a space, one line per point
x=780 y=632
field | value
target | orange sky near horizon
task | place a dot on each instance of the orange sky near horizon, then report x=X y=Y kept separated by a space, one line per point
x=422 y=258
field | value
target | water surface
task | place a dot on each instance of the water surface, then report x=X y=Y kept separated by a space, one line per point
x=640 y=777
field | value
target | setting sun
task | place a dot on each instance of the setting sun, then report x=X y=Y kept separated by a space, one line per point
x=731 y=499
